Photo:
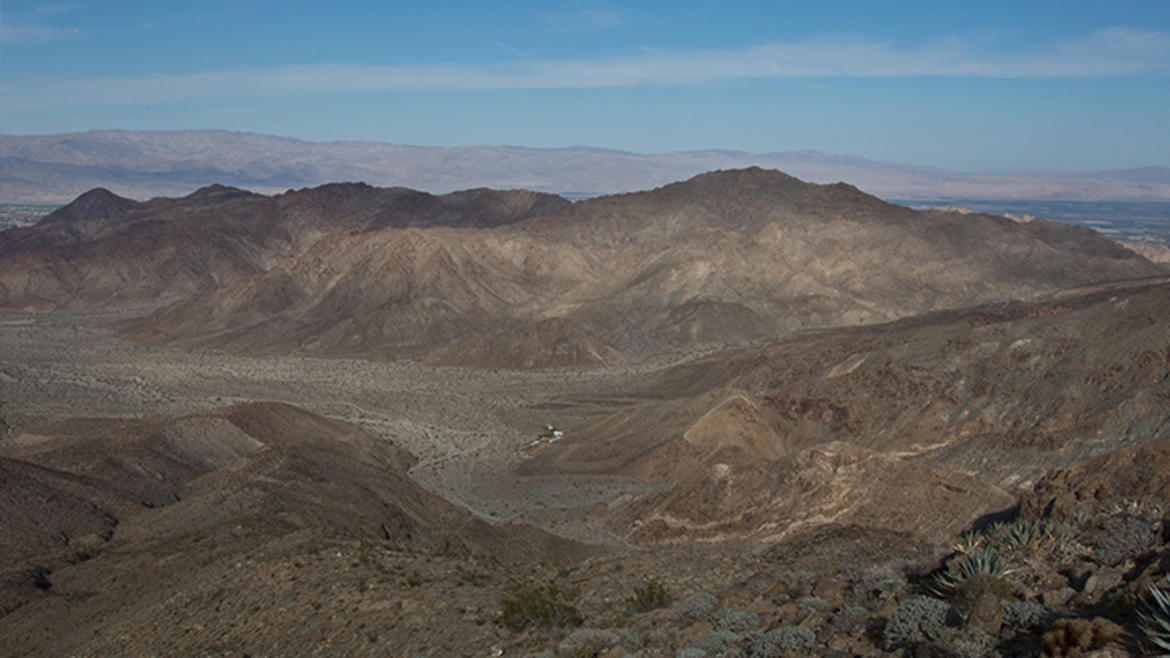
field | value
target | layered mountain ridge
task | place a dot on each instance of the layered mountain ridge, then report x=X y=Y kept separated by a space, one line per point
x=724 y=258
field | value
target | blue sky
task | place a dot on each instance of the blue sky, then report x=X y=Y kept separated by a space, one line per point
x=971 y=86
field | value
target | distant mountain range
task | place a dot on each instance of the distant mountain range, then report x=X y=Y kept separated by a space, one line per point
x=146 y=164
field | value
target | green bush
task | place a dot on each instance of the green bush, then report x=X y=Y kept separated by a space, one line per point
x=540 y=606
x=650 y=595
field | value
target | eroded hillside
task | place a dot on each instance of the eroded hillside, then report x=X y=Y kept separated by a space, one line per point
x=723 y=259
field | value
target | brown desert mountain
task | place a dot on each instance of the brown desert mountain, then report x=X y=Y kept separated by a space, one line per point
x=103 y=249
x=954 y=412
x=782 y=402
x=725 y=258
x=722 y=259
x=551 y=343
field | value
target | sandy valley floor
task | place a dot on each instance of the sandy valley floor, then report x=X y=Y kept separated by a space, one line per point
x=465 y=426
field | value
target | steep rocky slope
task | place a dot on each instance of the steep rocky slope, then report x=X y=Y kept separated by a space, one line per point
x=953 y=410
x=1139 y=474
x=105 y=505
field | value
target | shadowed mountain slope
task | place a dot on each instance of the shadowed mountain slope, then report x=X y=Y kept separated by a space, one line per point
x=117 y=493
x=101 y=249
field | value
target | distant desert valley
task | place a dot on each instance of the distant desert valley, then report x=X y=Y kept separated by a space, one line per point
x=736 y=414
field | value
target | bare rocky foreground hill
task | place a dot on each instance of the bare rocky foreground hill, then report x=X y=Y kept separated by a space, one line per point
x=291 y=425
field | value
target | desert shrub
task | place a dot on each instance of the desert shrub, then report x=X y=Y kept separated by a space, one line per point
x=773 y=643
x=1074 y=637
x=587 y=642
x=920 y=618
x=911 y=570
x=848 y=619
x=868 y=582
x=1122 y=537
x=40 y=577
x=736 y=621
x=968 y=592
x=1025 y=615
x=797 y=583
x=813 y=603
x=1156 y=620
x=968 y=642
x=696 y=606
x=716 y=642
x=540 y=606
x=650 y=595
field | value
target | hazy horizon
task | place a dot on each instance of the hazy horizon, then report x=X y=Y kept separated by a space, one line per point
x=1008 y=171
x=1003 y=87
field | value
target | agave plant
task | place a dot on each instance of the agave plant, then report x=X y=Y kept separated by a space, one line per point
x=1062 y=531
x=979 y=562
x=1023 y=535
x=968 y=542
x=1156 y=619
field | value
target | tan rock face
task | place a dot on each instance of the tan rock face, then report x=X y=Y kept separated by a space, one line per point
x=1154 y=251
x=834 y=483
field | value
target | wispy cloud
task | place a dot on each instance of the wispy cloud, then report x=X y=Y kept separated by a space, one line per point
x=15 y=32
x=592 y=19
x=1110 y=52
x=57 y=8
x=522 y=53
x=28 y=26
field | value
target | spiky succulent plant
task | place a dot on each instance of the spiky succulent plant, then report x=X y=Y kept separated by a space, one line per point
x=980 y=562
x=1156 y=619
